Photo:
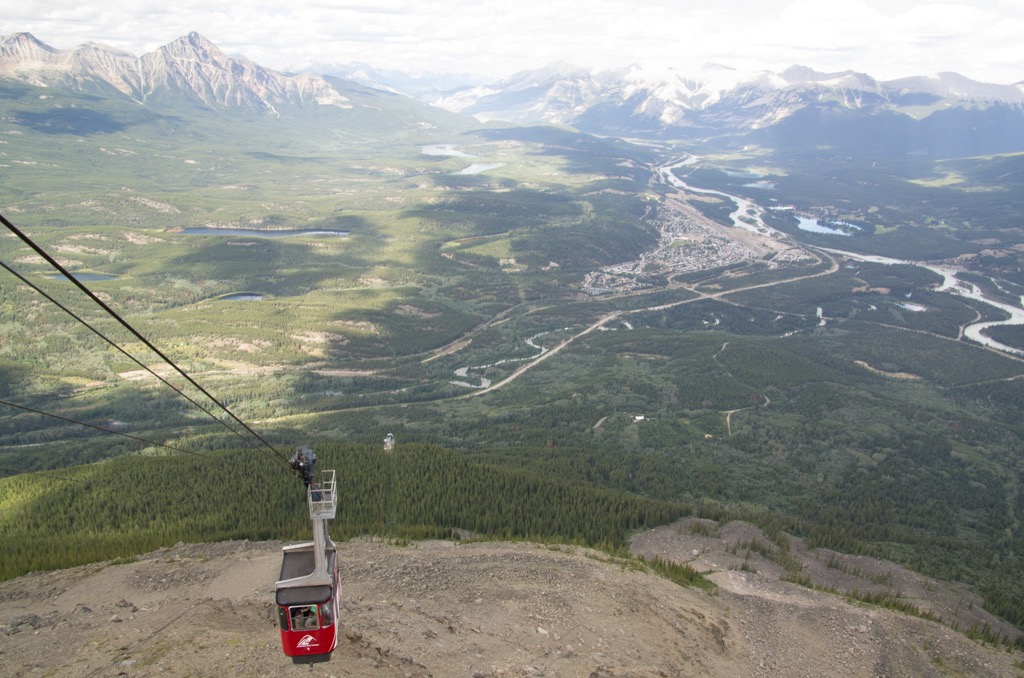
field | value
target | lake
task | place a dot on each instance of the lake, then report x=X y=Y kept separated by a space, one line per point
x=241 y=296
x=477 y=168
x=265 y=233
x=445 y=149
x=813 y=226
x=85 y=277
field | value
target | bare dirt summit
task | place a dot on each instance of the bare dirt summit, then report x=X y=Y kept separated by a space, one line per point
x=467 y=610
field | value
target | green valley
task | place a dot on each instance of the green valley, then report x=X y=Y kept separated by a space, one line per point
x=814 y=393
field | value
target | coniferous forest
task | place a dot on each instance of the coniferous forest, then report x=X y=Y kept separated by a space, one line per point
x=134 y=504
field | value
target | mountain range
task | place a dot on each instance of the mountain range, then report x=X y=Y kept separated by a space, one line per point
x=191 y=66
x=948 y=113
x=944 y=115
x=717 y=101
x=563 y=93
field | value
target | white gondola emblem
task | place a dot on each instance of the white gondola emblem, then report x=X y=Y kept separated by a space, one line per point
x=307 y=642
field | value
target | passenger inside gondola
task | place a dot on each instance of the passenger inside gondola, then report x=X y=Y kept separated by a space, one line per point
x=304 y=618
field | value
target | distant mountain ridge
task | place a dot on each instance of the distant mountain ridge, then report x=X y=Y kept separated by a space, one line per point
x=715 y=99
x=190 y=66
x=412 y=85
x=798 y=109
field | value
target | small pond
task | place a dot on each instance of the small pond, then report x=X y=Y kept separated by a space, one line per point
x=813 y=226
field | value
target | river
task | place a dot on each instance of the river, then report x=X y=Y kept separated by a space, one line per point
x=950 y=283
x=745 y=207
x=749 y=208
x=485 y=383
x=953 y=285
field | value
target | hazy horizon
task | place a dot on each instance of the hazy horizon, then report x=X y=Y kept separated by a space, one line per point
x=888 y=39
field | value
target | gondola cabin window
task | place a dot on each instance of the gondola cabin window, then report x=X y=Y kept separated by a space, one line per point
x=304 y=618
x=325 y=614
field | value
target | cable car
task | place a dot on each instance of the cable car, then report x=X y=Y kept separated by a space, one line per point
x=308 y=591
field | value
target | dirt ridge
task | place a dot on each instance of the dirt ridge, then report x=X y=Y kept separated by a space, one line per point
x=481 y=609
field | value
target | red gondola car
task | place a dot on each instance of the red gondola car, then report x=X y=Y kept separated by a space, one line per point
x=309 y=591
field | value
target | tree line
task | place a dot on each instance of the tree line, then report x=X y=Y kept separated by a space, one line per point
x=132 y=505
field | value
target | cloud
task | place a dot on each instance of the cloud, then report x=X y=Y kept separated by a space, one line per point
x=886 y=38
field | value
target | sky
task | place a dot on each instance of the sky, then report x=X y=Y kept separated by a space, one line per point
x=887 y=39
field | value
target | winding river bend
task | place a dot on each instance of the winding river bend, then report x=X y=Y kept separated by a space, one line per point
x=748 y=216
x=953 y=285
x=950 y=282
x=744 y=207
x=485 y=383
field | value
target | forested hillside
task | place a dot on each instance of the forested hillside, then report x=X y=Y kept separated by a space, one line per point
x=132 y=505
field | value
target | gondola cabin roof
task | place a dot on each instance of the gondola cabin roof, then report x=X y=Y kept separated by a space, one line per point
x=304 y=595
x=300 y=561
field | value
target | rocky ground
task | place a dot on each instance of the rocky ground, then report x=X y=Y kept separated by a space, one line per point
x=468 y=610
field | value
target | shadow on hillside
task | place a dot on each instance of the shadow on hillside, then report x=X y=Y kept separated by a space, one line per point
x=80 y=121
